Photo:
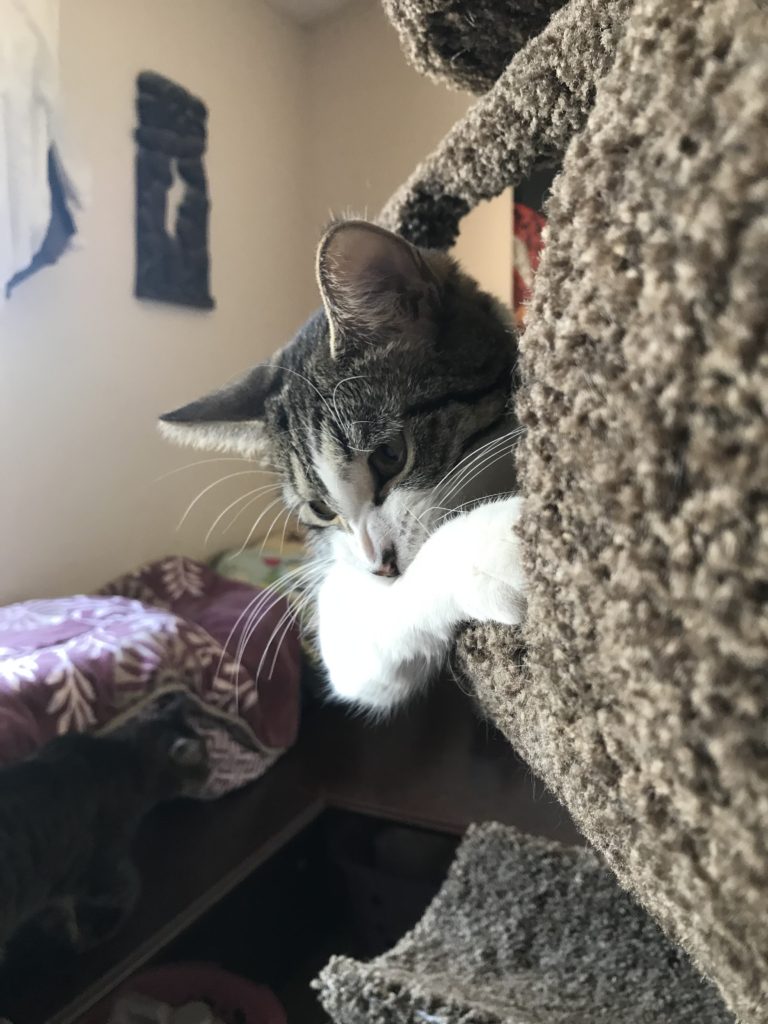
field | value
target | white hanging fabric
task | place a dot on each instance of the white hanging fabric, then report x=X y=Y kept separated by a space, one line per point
x=29 y=98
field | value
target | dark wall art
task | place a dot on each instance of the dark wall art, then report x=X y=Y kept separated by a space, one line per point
x=172 y=261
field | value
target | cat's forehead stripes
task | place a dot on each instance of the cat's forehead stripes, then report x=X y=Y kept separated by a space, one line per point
x=316 y=458
x=301 y=482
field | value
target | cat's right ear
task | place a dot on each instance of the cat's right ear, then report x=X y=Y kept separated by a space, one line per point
x=374 y=281
x=231 y=419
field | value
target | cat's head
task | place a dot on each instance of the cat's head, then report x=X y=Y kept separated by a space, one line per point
x=404 y=373
x=173 y=755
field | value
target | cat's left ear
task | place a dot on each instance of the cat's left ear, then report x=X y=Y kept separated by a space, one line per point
x=373 y=281
x=232 y=419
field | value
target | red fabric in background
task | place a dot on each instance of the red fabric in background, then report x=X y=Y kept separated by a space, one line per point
x=528 y=241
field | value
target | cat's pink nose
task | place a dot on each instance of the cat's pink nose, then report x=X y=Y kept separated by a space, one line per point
x=388 y=565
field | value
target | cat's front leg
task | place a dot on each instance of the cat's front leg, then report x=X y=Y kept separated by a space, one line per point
x=474 y=561
x=378 y=638
x=383 y=640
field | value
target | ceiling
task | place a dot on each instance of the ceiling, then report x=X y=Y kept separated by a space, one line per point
x=307 y=12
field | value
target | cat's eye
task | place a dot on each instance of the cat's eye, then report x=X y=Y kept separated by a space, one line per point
x=321 y=511
x=388 y=459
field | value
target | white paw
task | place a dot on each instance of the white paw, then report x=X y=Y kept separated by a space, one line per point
x=370 y=657
x=495 y=584
x=478 y=557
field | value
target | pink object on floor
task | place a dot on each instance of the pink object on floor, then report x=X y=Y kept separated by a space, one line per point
x=233 y=999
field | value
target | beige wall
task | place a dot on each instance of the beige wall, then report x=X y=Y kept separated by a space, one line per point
x=84 y=367
x=302 y=123
x=371 y=119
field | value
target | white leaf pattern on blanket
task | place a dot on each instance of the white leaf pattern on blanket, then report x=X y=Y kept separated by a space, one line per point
x=20 y=616
x=71 y=664
x=145 y=657
x=238 y=690
x=134 y=587
x=17 y=671
x=191 y=651
x=72 y=703
x=182 y=576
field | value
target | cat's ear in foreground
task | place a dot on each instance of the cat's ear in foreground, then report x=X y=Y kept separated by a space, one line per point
x=373 y=281
x=228 y=420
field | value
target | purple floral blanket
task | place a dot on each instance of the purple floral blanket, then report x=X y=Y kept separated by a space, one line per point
x=83 y=662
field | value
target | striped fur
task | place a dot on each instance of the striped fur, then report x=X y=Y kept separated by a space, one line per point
x=407 y=351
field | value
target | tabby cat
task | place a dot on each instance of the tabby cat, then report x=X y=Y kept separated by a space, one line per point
x=68 y=815
x=389 y=419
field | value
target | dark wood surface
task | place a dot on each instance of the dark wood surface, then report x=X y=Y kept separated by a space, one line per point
x=190 y=856
x=436 y=764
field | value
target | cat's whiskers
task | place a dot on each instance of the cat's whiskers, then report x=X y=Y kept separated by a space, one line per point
x=256 y=610
x=243 y=614
x=475 y=464
x=490 y=457
x=286 y=621
x=243 y=510
x=472 y=470
x=466 y=692
x=309 y=603
x=255 y=526
x=473 y=501
x=300 y=605
x=209 y=487
x=258 y=491
x=413 y=515
x=220 y=458
x=310 y=574
x=466 y=465
x=291 y=511
x=491 y=460
x=282 y=511
x=266 y=599
x=470 y=456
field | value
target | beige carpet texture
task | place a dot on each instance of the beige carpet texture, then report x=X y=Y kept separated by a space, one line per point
x=642 y=698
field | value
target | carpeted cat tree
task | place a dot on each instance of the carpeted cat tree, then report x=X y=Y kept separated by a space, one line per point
x=643 y=696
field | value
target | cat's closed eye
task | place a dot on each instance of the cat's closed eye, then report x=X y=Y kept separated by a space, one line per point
x=320 y=511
